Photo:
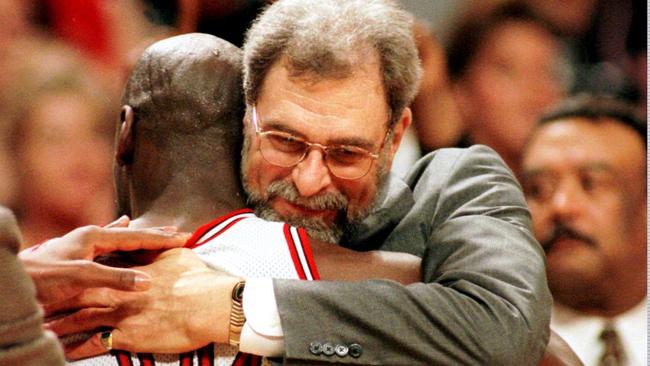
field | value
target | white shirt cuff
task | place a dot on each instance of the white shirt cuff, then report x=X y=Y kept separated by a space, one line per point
x=262 y=333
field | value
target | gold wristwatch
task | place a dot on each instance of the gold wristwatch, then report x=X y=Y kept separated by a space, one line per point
x=237 y=318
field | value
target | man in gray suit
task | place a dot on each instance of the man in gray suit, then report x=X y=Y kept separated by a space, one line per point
x=327 y=86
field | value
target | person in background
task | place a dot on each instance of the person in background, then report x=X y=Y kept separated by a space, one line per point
x=605 y=42
x=327 y=88
x=584 y=175
x=505 y=69
x=436 y=119
x=61 y=144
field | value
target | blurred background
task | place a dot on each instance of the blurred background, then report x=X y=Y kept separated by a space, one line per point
x=491 y=68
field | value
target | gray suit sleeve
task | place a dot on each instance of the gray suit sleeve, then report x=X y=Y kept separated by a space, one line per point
x=22 y=339
x=483 y=299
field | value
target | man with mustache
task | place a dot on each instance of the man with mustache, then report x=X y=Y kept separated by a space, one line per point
x=585 y=181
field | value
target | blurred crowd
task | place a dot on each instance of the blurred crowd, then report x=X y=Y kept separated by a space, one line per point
x=491 y=68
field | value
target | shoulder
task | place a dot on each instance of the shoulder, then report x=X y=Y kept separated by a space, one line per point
x=458 y=174
x=451 y=162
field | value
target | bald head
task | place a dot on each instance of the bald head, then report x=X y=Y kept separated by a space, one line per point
x=181 y=120
x=186 y=83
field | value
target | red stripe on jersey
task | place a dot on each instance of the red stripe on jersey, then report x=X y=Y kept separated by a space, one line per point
x=240 y=359
x=292 y=251
x=306 y=248
x=255 y=360
x=123 y=358
x=206 y=355
x=230 y=224
x=186 y=359
x=207 y=227
x=146 y=359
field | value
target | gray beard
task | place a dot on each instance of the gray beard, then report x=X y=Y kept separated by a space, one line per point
x=344 y=224
x=315 y=226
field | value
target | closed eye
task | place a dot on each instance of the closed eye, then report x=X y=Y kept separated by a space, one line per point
x=346 y=154
x=285 y=142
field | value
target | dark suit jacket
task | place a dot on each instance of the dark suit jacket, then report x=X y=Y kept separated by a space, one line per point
x=484 y=298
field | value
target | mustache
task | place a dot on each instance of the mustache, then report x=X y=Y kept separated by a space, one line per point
x=561 y=231
x=325 y=201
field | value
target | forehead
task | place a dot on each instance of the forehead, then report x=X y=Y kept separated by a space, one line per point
x=574 y=143
x=521 y=38
x=325 y=107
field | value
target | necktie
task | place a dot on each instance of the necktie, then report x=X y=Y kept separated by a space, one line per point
x=613 y=354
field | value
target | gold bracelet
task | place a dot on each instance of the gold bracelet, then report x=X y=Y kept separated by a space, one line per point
x=237 y=318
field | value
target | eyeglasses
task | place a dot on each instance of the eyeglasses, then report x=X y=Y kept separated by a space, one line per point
x=286 y=150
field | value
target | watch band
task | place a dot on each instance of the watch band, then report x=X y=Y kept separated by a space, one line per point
x=237 y=317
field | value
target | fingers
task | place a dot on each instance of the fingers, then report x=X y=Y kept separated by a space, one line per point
x=92 y=298
x=98 y=275
x=83 y=320
x=124 y=239
x=60 y=281
x=123 y=221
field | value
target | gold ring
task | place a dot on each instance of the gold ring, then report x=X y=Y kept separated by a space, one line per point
x=107 y=340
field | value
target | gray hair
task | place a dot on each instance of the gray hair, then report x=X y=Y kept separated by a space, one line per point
x=327 y=38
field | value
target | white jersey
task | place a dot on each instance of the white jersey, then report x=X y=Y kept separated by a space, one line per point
x=240 y=244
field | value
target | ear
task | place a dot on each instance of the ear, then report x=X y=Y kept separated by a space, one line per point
x=398 y=132
x=125 y=142
x=399 y=129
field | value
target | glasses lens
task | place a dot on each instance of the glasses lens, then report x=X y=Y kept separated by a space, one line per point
x=285 y=150
x=281 y=149
x=348 y=162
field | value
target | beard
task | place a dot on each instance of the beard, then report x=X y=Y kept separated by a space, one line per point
x=345 y=221
x=316 y=227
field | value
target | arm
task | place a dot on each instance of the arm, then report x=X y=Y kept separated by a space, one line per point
x=484 y=299
x=337 y=263
x=188 y=296
x=62 y=267
x=22 y=340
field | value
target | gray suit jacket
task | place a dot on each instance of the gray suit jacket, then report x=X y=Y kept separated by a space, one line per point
x=22 y=339
x=484 y=298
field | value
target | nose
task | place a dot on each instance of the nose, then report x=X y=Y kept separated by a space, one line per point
x=311 y=175
x=567 y=200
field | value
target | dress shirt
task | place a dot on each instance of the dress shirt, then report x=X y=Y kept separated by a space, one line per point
x=262 y=333
x=582 y=333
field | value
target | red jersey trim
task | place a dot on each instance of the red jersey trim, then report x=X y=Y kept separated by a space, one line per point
x=192 y=242
x=306 y=246
x=123 y=358
x=206 y=355
x=294 y=252
x=301 y=254
x=146 y=359
x=186 y=359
